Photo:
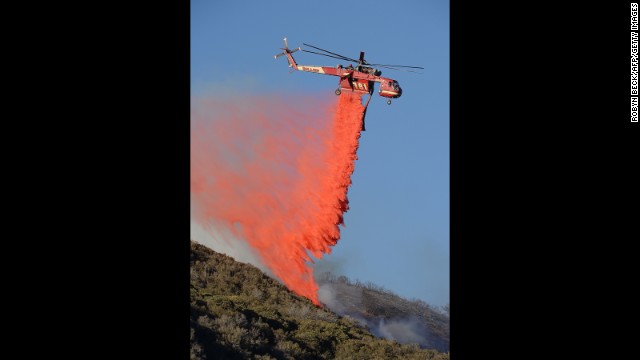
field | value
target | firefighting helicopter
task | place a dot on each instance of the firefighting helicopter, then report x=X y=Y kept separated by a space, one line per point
x=359 y=79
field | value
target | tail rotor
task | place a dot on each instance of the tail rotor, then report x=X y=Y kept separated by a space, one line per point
x=286 y=51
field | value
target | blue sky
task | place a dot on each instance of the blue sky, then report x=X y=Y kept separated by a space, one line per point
x=397 y=228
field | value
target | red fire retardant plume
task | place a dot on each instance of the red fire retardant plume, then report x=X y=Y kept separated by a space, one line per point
x=275 y=172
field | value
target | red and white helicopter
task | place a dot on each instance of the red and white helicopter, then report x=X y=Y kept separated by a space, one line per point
x=359 y=79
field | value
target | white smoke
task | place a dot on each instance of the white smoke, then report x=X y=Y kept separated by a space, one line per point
x=328 y=296
x=405 y=331
x=348 y=300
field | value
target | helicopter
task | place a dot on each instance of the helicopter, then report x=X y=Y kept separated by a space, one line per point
x=359 y=79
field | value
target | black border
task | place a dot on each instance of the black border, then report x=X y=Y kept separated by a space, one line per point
x=112 y=184
x=542 y=176
x=155 y=169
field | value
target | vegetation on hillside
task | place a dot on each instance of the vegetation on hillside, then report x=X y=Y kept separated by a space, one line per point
x=238 y=312
x=385 y=313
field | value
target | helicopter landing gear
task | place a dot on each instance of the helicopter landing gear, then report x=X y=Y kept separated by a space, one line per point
x=338 y=92
x=388 y=102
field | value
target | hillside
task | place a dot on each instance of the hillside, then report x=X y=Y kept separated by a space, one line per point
x=386 y=314
x=237 y=312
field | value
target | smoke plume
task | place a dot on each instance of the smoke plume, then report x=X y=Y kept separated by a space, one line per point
x=275 y=172
x=386 y=315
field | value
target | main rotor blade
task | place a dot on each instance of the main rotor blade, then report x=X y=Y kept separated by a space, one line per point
x=413 y=67
x=387 y=67
x=350 y=59
x=335 y=57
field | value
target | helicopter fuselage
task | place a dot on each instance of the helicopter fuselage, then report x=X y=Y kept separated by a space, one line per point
x=359 y=79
